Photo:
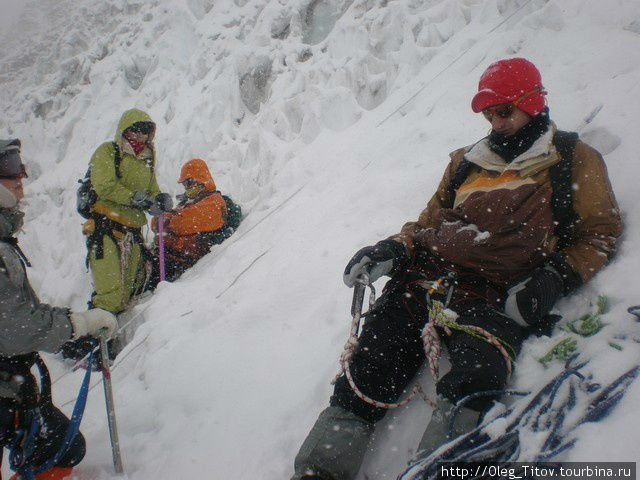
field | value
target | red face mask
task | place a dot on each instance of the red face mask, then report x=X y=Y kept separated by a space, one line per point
x=136 y=145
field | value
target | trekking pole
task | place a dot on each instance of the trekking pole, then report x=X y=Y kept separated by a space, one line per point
x=161 y=246
x=108 y=399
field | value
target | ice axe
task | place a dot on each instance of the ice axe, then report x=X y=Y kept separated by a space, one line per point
x=108 y=399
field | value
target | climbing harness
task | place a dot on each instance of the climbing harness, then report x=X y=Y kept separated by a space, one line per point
x=446 y=319
x=125 y=245
x=439 y=316
x=362 y=282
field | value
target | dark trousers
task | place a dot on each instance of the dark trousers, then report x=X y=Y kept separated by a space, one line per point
x=175 y=264
x=390 y=350
x=50 y=438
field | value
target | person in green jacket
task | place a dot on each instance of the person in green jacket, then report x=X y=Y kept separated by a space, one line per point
x=123 y=177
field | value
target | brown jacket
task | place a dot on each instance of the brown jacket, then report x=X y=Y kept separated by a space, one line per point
x=500 y=223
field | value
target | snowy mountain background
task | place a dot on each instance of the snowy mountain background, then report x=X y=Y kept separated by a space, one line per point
x=330 y=123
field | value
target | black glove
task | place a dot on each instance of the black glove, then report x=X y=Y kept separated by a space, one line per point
x=80 y=348
x=529 y=301
x=161 y=203
x=383 y=258
x=141 y=200
x=156 y=206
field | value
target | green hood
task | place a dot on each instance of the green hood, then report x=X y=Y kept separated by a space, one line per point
x=129 y=118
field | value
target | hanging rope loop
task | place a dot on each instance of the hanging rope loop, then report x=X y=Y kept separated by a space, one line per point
x=439 y=318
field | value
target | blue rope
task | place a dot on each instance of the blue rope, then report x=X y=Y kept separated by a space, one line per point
x=546 y=412
x=22 y=462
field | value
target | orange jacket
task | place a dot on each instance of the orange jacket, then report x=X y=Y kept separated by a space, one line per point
x=202 y=215
x=205 y=213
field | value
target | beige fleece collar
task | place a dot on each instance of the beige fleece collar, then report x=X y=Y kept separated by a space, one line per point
x=541 y=155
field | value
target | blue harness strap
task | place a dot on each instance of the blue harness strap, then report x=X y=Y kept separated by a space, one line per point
x=24 y=442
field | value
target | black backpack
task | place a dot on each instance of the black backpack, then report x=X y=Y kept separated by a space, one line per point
x=561 y=183
x=86 y=196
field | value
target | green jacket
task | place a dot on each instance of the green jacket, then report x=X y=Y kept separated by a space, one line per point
x=137 y=173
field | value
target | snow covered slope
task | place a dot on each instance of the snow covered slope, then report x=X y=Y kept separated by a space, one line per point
x=330 y=122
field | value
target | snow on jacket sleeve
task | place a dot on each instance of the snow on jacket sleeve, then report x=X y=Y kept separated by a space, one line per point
x=26 y=325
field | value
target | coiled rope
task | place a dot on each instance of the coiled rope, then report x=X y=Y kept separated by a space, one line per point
x=439 y=316
x=549 y=417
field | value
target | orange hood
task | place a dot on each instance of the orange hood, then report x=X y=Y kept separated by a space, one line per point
x=196 y=169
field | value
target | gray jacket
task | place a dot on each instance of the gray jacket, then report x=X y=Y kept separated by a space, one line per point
x=26 y=325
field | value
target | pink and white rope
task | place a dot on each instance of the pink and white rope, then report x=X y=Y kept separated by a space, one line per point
x=438 y=317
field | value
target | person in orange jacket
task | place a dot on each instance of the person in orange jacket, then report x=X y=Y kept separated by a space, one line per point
x=204 y=217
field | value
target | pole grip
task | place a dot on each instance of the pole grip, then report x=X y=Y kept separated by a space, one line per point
x=161 y=247
x=358 y=299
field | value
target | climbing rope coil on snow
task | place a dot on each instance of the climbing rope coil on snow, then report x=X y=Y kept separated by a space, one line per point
x=548 y=417
x=439 y=317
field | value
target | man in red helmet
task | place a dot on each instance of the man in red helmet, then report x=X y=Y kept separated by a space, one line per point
x=520 y=218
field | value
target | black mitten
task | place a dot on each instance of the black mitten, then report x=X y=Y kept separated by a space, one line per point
x=161 y=203
x=530 y=300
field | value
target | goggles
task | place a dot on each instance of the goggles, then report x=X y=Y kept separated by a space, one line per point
x=192 y=187
x=142 y=127
x=190 y=182
x=11 y=165
x=501 y=111
x=506 y=110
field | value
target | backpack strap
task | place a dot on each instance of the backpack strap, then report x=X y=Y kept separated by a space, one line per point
x=458 y=178
x=562 y=186
x=116 y=159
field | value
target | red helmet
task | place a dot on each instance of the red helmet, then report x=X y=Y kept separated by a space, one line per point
x=514 y=80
